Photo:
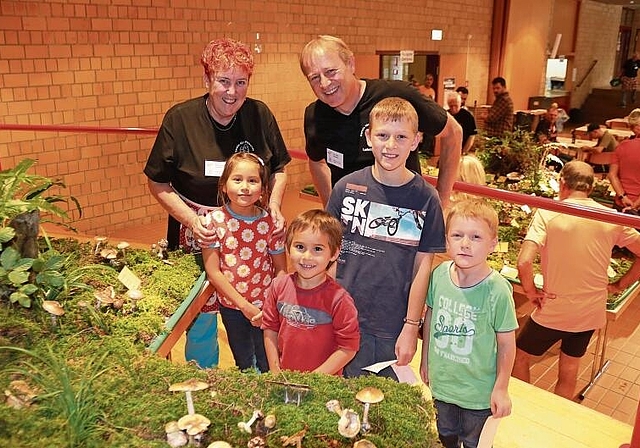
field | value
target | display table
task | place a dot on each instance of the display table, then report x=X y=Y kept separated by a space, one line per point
x=543 y=419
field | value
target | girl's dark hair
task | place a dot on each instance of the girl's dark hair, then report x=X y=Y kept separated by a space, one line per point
x=231 y=164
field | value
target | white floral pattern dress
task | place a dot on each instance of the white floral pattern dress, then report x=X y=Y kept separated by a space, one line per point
x=246 y=244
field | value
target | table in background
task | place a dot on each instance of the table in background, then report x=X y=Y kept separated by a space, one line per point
x=619 y=134
x=618 y=123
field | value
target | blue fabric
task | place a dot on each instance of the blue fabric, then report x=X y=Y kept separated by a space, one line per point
x=202 y=341
x=458 y=425
x=372 y=349
x=245 y=340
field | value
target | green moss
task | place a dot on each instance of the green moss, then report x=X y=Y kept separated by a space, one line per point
x=130 y=396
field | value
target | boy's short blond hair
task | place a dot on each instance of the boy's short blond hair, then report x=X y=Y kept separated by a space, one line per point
x=394 y=109
x=475 y=209
x=317 y=221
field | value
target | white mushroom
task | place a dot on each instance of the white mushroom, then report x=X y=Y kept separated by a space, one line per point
x=219 y=444
x=334 y=406
x=100 y=240
x=134 y=295
x=364 y=443
x=194 y=424
x=175 y=436
x=270 y=421
x=123 y=245
x=187 y=387
x=349 y=423
x=246 y=426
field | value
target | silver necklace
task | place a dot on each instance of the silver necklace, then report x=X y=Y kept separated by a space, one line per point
x=215 y=123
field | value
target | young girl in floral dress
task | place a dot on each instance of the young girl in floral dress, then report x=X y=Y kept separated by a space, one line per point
x=245 y=258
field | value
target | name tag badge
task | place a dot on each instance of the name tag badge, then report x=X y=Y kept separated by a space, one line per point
x=335 y=158
x=213 y=168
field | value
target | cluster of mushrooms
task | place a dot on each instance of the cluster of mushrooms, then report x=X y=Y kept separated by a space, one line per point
x=109 y=254
x=349 y=424
x=190 y=428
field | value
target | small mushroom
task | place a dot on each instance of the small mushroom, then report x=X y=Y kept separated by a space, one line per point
x=54 y=308
x=134 y=295
x=123 y=245
x=334 y=406
x=104 y=296
x=246 y=426
x=187 y=387
x=175 y=436
x=220 y=444
x=100 y=241
x=266 y=424
x=368 y=396
x=364 y=443
x=257 y=442
x=109 y=254
x=349 y=424
x=19 y=394
x=194 y=424
x=270 y=421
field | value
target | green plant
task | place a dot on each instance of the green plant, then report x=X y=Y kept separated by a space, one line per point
x=21 y=192
x=65 y=392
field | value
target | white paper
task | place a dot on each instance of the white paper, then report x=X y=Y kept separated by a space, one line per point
x=405 y=374
x=377 y=367
x=488 y=432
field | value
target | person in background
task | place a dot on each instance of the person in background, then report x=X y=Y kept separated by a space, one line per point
x=245 y=256
x=413 y=81
x=629 y=77
x=472 y=172
x=426 y=88
x=573 y=302
x=624 y=171
x=469 y=329
x=464 y=94
x=393 y=225
x=466 y=120
x=184 y=167
x=310 y=322
x=336 y=123
x=606 y=141
x=500 y=117
x=546 y=131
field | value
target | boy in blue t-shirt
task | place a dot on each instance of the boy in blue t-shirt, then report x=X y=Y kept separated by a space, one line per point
x=469 y=330
x=392 y=227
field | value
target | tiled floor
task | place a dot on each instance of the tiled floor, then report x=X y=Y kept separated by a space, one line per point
x=615 y=393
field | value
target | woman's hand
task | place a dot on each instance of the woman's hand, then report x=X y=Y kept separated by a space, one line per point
x=202 y=231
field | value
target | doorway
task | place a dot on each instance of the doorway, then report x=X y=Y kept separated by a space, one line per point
x=423 y=63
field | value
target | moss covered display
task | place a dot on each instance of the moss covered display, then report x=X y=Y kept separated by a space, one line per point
x=96 y=384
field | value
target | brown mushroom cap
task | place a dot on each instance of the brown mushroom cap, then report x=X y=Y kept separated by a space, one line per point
x=123 y=245
x=194 y=424
x=190 y=385
x=104 y=296
x=100 y=239
x=370 y=395
x=52 y=307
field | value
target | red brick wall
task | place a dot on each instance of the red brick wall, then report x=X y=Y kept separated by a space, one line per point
x=123 y=63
